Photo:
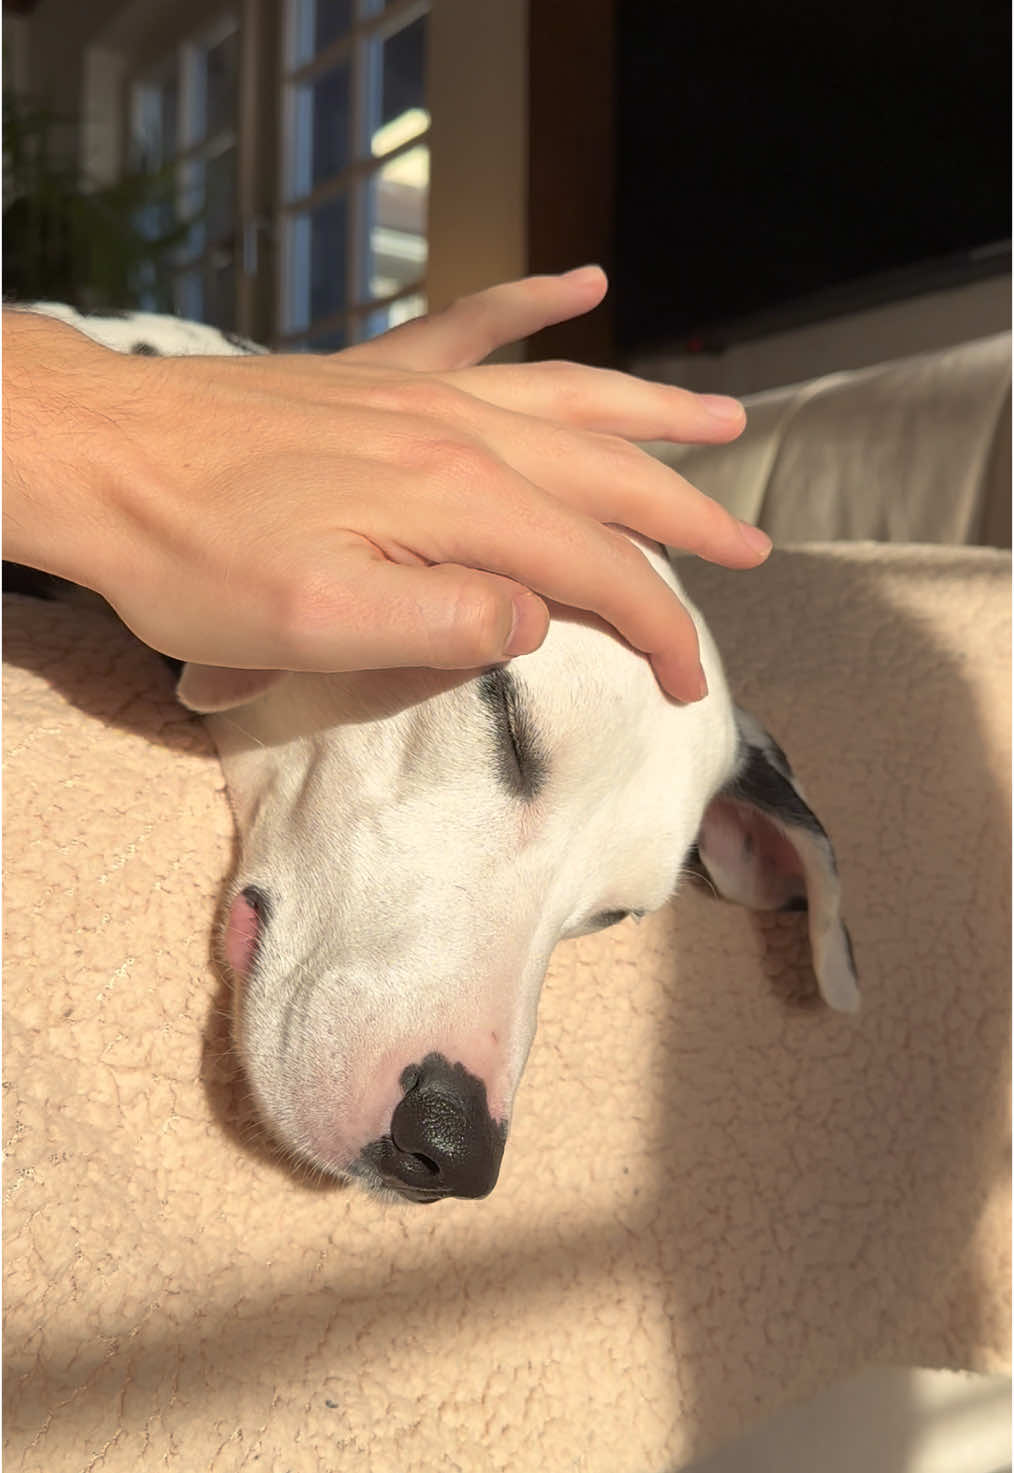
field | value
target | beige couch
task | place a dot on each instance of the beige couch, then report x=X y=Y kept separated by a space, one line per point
x=716 y=1198
x=916 y=450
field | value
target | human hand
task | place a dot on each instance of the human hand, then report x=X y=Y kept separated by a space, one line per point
x=390 y=505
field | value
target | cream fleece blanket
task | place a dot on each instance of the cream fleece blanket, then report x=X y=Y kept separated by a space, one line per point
x=714 y=1199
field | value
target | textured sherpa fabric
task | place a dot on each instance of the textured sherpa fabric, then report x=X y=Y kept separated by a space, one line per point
x=716 y=1197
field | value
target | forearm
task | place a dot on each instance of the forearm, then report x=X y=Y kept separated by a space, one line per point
x=59 y=446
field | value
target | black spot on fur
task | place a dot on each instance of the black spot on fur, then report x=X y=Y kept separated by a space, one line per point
x=146 y=350
x=759 y=783
x=848 y=948
x=119 y=313
x=778 y=757
x=243 y=344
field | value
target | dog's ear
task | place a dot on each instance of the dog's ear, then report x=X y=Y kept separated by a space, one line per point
x=762 y=846
x=207 y=688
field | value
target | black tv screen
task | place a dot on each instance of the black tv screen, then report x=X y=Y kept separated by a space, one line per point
x=777 y=158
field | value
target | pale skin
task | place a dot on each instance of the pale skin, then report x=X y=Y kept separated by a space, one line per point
x=396 y=504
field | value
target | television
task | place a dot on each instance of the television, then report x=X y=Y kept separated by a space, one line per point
x=780 y=162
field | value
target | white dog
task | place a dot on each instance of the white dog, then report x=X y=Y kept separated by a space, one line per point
x=415 y=843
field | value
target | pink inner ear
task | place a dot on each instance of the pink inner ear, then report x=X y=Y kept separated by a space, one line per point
x=748 y=857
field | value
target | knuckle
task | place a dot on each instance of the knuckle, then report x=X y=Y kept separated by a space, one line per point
x=623 y=453
x=710 y=524
x=420 y=396
x=565 y=385
x=434 y=399
x=305 y=606
x=616 y=457
x=634 y=564
x=458 y=462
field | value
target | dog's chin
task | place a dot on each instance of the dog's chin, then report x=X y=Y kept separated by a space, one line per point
x=367 y=1179
x=408 y=1194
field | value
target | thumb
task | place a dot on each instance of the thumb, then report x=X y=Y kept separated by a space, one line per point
x=444 y=616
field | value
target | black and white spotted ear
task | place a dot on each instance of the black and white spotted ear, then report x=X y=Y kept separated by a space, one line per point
x=762 y=846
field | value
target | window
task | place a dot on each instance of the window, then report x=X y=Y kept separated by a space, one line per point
x=183 y=120
x=355 y=170
x=332 y=147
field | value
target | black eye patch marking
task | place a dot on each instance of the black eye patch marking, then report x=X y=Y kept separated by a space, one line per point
x=522 y=766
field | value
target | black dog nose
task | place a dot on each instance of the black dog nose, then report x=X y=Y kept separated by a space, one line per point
x=443 y=1141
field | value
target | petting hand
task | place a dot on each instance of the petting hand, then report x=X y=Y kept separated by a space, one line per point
x=390 y=505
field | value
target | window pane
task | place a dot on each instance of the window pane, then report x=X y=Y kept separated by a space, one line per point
x=154 y=292
x=190 y=206
x=190 y=295
x=221 y=64
x=332 y=19
x=396 y=70
x=211 y=72
x=220 y=195
x=156 y=110
x=220 y=293
x=330 y=124
x=403 y=71
x=157 y=217
x=328 y=229
x=318 y=145
x=314 y=24
x=329 y=342
x=208 y=198
x=397 y=196
x=315 y=264
x=393 y=314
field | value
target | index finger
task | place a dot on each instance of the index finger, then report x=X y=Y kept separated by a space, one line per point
x=475 y=326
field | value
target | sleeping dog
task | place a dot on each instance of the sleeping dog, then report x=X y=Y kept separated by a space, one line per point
x=414 y=843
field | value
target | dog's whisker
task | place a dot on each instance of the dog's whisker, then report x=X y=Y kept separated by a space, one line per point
x=230 y=720
x=686 y=872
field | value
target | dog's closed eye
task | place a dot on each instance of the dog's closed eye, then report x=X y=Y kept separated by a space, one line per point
x=611 y=918
x=521 y=762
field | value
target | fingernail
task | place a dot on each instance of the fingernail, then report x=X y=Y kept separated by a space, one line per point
x=721 y=406
x=702 y=684
x=528 y=628
x=511 y=647
x=755 y=539
x=585 y=270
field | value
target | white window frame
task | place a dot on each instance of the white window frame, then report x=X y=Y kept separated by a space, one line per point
x=371 y=23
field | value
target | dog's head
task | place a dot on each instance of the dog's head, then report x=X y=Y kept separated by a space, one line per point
x=414 y=845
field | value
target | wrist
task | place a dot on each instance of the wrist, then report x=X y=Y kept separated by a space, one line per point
x=59 y=447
